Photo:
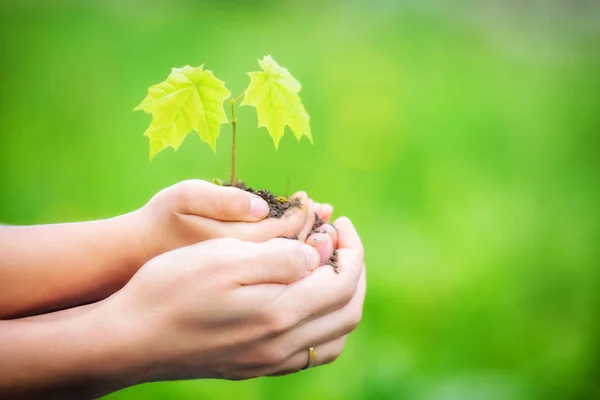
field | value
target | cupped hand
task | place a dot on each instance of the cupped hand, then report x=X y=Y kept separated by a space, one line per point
x=325 y=238
x=235 y=309
x=324 y=211
x=193 y=211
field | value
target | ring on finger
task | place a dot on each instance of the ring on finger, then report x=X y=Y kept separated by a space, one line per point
x=312 y=358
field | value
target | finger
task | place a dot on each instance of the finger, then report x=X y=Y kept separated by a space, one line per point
x=324 y=291
x=324 y=211
x=331 y=231
x=281 y=261
x=323 y=244
x=347 y=235
x=325 y=353
x=310 y=221
x=222 y=203
x=293 y=224
x=327 y=327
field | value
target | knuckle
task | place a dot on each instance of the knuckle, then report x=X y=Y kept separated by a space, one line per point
x=290 y=251
x=181 y=187
x=354 y=318
x=295 y=256
x=337 y=351
x=179 y=194
x=333 y=357
x=268 y=356
x=347 y=292
x=231 y=203
x=277 y=323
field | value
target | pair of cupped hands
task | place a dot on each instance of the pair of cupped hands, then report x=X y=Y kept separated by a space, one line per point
x=225 y=295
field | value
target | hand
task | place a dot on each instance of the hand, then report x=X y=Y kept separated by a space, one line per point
x=325 y=238
x=324 y=211
x=232 y=309
x=84 y=262
x=194 y=211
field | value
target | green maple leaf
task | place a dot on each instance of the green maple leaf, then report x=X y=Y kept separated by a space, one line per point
x=190 y=99
x=274 y=93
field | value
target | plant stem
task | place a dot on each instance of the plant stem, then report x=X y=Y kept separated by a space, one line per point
x=233 y=124
x=237 y=98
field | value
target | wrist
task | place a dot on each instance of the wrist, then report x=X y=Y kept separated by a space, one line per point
x=82 y=352
x=115 y=359
x=132 y=236
x=109 y=348
x=137 y=349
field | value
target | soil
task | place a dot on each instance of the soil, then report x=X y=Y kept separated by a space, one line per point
x=333 y=261
x=279 y=205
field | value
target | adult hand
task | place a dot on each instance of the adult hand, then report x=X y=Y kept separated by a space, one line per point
x=324 y=211
x=223 y=308
x=233 y=309
x=325 y=237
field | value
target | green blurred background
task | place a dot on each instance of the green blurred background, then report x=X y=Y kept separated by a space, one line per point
x=461 y=137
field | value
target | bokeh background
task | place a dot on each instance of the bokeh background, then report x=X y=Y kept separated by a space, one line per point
x=461 y=137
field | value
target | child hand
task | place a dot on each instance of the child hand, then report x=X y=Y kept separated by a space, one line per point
x=194 y=211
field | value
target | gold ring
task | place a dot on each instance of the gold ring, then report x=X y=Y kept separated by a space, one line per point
x=312 y=358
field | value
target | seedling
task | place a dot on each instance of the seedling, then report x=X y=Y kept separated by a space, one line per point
x=192 y=99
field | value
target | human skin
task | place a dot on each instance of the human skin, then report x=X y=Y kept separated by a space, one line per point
x=224 y=308
x=51 y=267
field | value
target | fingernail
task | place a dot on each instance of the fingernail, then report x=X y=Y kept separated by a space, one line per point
x=325 y=228
x=312 y=257
x=316 y=239
x=258 y=207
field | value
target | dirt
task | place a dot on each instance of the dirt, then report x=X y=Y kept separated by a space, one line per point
x=333 y=261
x=316 y=228
x=317 y=225
x=279 y=205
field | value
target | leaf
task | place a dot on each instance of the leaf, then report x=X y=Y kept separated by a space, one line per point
x=274 y=93
x=190 y=99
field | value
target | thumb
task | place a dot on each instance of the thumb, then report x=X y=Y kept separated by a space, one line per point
x=323 y=243
x=280 y=261
x=222 y=203
x=297 y=222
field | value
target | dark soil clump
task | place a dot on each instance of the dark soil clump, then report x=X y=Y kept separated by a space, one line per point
x=333 y=261
x=278 y=205
x=317 y=224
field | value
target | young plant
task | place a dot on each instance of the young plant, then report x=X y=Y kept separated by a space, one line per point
x=192 y=99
